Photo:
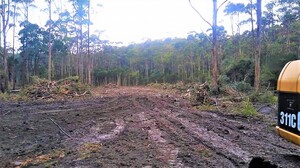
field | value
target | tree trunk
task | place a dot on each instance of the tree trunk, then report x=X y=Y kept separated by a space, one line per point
x=13 y=51
x=119 y=80
x=147 y=70
x=49 y=44
x=214 y=50
x=252 y=29
x=89 y=78
x=258 y=48
x=5 y=21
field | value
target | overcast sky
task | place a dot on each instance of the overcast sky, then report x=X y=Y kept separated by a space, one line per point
x=137 y=20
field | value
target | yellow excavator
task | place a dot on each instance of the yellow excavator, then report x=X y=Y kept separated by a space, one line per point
x=288 y=88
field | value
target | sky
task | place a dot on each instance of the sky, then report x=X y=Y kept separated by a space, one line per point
x=134 y=21
x=138 y=20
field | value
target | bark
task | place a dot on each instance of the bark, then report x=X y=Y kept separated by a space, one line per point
x=252 y=27
x=299 y=52
x=13 y=73
x=258 y=48
x=5 y=21
x=147 y=70
x=49 y=44
x=89 y=79
x=119 y=80
x=214 y=50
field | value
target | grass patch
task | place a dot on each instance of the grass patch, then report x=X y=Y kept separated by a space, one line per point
x=13 y=96
x=207 y=107
x=244 y=108
x=4 y=96
x=88 y=148
x=266 y=97
x=248 y=109
x=47 y=159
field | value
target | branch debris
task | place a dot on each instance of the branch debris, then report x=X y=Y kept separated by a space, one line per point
x=64 y=132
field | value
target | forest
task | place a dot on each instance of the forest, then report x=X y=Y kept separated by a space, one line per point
x=65 y=47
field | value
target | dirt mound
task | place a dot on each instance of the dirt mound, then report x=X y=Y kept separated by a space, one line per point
x=65 y=88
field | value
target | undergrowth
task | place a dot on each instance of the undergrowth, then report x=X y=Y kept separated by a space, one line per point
x=248 y=109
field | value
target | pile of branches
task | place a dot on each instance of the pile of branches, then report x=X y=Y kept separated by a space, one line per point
x=198 y=94
x=111 y=86
x=64 y=88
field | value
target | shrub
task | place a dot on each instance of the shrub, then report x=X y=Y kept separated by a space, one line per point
x=248 y=109
x=242 y=86
x=266 y=97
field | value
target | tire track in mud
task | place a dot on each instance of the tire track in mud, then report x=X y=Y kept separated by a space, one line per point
x=167 y=151
x=226 y=149
x=192 y=152
x=138 y=129
x=95 y=137
x=240 y=140
x=245 y=134
x=81 y=107
x=209 y=140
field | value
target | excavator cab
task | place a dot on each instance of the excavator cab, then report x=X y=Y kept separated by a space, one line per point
x=288 y=88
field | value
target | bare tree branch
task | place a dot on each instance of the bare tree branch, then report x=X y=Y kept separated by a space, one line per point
x=60 y=128
x=200 y=14
x=221 y=5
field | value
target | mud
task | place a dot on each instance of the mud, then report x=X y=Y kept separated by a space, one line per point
x=137 y=127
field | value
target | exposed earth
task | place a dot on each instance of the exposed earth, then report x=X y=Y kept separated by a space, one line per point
x=137 y=127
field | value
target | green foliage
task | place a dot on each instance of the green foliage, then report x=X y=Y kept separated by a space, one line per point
x=4 y=96
x=241 y=70
x=68 y=80
x=223 y=80
x=248 y=109
x=20 y=96
x=167 y=61
x=266 y=97
x=37 y=80
x=267 y=76
x=242 y=86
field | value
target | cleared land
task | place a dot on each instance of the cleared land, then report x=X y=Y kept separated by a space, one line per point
x=136 y=127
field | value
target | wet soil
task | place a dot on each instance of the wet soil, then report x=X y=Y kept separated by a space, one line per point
x=137 y=127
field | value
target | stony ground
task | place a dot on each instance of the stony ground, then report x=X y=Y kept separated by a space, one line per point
x=137 y=127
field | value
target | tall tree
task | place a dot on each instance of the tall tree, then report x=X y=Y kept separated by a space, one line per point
x=89 y=74
x=5 y=15
x=49 y=43
x=258 y=47
x=80 y=14
x=214 y=40
x=13 y=73
x=214 y=52
x=26 y=4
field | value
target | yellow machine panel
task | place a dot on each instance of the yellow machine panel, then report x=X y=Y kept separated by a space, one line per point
x=288 y=88
x=289 y=78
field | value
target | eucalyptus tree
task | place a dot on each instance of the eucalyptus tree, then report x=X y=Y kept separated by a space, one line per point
x=25 y=6
x=289 y=13
x=235 y=9
x=13 y=72
x=213 y=25
x=5 y=11
x=49 y=23
x=89 y=71
x=81 y=20
x=258 y=47
x=33 y=48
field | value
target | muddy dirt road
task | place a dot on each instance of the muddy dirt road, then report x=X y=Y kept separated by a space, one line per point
x=136 y=127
